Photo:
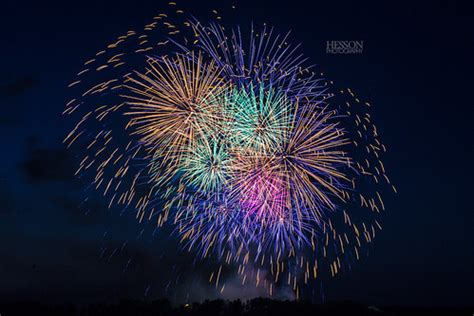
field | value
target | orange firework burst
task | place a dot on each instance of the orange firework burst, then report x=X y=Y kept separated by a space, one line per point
x=174 y=102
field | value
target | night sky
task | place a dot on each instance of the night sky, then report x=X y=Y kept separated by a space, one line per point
x=416 y=69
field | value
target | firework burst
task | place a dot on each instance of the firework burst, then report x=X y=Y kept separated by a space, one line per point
x=236 y=143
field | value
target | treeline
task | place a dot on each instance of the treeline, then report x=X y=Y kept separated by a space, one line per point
x=254 y=307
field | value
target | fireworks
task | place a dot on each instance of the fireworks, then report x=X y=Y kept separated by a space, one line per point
x=243 y=149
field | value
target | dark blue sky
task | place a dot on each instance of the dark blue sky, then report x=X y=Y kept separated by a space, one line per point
x=416 y=69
